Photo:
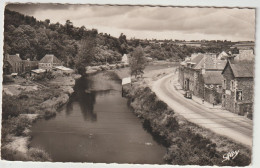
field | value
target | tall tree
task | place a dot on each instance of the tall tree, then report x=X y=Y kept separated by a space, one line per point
x=86 y=54
x=137 y=61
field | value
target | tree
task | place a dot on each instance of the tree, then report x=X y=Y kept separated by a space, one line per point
x=86 y=54
x=137 y=61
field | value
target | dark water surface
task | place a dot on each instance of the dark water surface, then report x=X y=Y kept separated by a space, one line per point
x=97 y=126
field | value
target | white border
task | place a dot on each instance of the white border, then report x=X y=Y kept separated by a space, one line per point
x=205 y=3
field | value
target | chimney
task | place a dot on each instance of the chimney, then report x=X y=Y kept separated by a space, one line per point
x=18 y=55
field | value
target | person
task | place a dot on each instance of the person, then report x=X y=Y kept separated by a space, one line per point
x=202 y=100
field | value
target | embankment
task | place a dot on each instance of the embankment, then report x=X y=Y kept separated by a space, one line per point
x=19 y=111
x=187 y=143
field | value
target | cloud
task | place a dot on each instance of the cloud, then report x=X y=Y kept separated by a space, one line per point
x=233 y=23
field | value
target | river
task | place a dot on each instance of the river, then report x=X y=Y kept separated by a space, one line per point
x=97 y=125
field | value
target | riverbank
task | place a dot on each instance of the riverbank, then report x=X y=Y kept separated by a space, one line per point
x=187 y=143
x=24 y=102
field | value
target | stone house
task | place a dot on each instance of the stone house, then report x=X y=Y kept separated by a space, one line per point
x=28 y=65
x=48 y=62
x=195 y=75
x=245 y=54
x=12 y=64
x=238 y=87
x=212 y=81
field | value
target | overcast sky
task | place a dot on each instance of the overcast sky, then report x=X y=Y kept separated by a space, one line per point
x=151 y=22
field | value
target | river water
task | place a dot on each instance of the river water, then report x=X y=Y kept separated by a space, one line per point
x=97 y=125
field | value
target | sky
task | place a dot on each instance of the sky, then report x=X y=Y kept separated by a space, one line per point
x=144 y=22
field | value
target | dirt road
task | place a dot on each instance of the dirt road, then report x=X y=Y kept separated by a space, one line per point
x=219 y=121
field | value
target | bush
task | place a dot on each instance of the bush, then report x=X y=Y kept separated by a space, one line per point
x=8 y=79
x=10 y=107
x=37 y=154
x=49 y=113
x=21 y=125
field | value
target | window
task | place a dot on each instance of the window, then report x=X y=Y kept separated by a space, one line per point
x=239 y=95
x=232 y=85
x=224 y=84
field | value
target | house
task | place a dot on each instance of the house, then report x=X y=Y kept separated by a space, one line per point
x=238 y=86
x=195 y=76
x=28 y=65
x=245 y=54
x=212 y=81
x=223 y=55
x=48 y=62
x=12 y=64
x=125 y=59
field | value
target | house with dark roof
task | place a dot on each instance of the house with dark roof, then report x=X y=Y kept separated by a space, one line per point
x=201 y=74
x=12 y=64
x=212 y=81
x=238 y=87
x=48 y=62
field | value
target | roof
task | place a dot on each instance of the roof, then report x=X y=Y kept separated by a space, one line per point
x=126 y=80
x=197 y=58
x=213 y=77
x=243 y=69
x=13 y=59
x=49 y=58
x=38 y=71
x=63 y=68
x=211 y=63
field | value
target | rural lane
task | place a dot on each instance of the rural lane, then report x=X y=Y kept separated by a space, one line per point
x=219 y=121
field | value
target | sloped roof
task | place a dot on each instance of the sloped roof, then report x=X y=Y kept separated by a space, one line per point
x=49 y=58
x=13 y=59
x=242 y=69
x=212 y=77
x=211 y=64
x=197 y=59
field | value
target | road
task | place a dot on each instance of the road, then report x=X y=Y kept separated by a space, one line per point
x=219 y=121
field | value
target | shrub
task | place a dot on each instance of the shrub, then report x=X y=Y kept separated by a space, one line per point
x=10 y=107
x=49 y=113
x=172 y=123
x=21 y=125
x=8 y=79
x=37 y=154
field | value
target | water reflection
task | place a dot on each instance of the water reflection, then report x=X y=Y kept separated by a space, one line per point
x=87 y=98
x=76 y=135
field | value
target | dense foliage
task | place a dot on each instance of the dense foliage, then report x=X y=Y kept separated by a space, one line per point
x=137 y=62
x=33 y=39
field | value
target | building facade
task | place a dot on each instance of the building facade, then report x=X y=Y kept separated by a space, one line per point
x=12 y=64
x=201 y=74
x=238 y=87
x=48 y=62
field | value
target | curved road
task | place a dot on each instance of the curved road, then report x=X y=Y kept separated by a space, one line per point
x=219 y=121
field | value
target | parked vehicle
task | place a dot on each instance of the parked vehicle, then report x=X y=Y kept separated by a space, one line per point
x=188 y=95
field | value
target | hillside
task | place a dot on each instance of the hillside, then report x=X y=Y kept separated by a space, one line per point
x=33 y=39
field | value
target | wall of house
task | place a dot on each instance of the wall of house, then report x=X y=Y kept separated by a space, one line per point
x=228 y=95
x=181 y=76
x=47 y=66
x=247 y=87
x=230 y=101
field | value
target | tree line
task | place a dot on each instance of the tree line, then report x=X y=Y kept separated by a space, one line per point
x=33 y=39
